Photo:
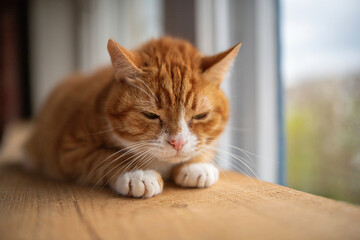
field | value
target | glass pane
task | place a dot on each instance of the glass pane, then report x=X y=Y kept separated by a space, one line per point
x=321 y=71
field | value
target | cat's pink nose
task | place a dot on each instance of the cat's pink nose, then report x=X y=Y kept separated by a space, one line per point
x=177 y=141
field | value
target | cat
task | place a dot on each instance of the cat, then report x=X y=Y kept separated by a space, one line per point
x=154 y=114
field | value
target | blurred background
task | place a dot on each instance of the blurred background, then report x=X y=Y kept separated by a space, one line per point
x=294 y=88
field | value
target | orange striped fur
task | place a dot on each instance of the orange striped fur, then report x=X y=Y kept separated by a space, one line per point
x=89 y=122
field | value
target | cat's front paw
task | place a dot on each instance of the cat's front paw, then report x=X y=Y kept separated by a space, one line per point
x=197 y=175
x=139 y=183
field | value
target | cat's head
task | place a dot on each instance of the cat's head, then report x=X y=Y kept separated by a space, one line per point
x=166 y=100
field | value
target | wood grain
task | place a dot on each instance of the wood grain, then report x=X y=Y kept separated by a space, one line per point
x=237 y=207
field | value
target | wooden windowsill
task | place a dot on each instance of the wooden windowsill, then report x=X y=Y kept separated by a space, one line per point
x=237 y=207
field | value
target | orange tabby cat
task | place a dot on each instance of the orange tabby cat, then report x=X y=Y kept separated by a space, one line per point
x=153 y=115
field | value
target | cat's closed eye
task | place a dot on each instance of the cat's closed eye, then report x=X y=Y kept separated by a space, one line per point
x=200 y=116
x=150 y=115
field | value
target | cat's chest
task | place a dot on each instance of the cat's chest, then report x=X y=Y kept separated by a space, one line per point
x=163 y=168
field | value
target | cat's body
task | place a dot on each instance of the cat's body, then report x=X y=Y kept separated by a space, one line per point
x=154 y=114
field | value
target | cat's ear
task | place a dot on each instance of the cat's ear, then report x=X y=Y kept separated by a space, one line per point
x=215 y=67
x=124 y=62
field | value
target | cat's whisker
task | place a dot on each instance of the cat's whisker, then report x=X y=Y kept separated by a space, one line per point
x=139 y=157
x=152 y=92
x=221 y=159
x=247 y=155
x=139 y=164
x=116 y=166
x=207 y=87
x=234 y=157
x=121 y=150
x=247 y=160
x=131 y=164
x=128 y=165
x=245 y=152
x=241 y=150
x=255 y=181
x=103 y=176
x=146 y=161
x=141 y=89
x=242 y=162
x=240 y=170
x=129 y=149
x=236 y=147
x=146 y=103
x=204 y=157
x=93 y=169
x=211 y=93
x=100 y=132
x=122 y=155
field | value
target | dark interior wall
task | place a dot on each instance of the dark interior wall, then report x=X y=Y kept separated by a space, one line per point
x=179 y=19
x=14 y=71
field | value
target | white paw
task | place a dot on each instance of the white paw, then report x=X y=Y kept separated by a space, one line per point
x=139 y=183
x=197 y=175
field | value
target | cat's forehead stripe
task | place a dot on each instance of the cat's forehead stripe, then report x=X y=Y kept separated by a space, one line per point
x=174 y=85
x=176 y=68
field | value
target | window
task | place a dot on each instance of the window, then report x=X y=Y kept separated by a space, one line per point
x=321 y=71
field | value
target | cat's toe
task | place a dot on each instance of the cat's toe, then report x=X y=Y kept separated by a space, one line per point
x=139 y=183
x=197 y=175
